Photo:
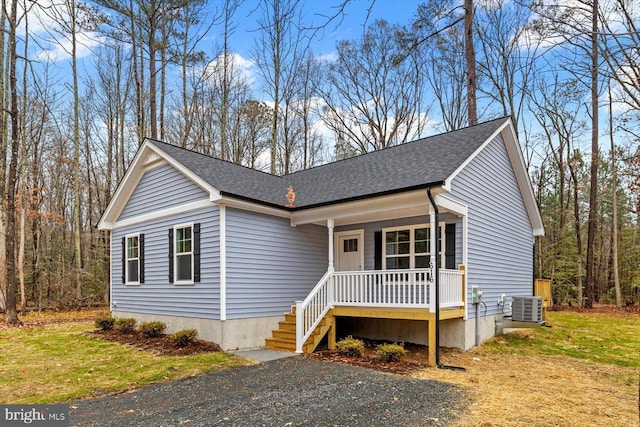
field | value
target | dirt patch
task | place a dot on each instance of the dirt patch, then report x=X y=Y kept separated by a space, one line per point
x=161 y=345
x=516 y=390
x=417 y=358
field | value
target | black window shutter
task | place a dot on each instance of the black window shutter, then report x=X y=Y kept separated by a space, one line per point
x=450 y=246
x=171 y=255
x=141 y=258
x=196 y=252
x=124 y=260
x=377 y=252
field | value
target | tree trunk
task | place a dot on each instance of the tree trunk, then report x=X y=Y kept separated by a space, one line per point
x=77 y=220
x=593 y=191
x=3 y=156
x=614 y=208
x=11 y=311
x=470 y=55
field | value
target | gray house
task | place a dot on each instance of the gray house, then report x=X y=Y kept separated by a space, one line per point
x=202 y=243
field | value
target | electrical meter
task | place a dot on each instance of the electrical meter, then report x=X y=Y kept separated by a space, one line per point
x=476 y=295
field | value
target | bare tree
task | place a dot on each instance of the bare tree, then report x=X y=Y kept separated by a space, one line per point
x=372 y=100
x=509 y=56
x=445 y=71
x=11 y=313
x=280 y=46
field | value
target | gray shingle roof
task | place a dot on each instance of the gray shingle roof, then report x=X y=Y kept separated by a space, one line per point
x=428 y=161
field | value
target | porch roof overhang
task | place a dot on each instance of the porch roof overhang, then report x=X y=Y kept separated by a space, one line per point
x=413 y=202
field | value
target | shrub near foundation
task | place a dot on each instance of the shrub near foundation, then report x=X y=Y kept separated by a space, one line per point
x=125 y=324
x=350 y=346
x=184 y=337
x=104 y=323
x=152 y=329
x=390 y=352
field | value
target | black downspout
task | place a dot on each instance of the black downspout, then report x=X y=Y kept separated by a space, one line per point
x=437 y=285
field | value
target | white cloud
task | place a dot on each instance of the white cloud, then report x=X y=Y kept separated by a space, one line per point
x=60 y=50
x=242 y=66
x=48 y=27
x=327 y=57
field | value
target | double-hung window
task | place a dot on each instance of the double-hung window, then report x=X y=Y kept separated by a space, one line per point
x=133 y=259
x=409 y=247
x=184 y=254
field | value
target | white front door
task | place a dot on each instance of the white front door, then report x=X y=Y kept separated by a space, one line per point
x=349 y=250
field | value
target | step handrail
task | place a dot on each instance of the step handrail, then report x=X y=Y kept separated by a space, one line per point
x=311 y=311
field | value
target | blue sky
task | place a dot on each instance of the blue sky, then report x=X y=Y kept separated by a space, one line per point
x=315 y=12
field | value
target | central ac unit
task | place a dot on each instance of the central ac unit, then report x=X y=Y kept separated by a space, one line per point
x=527 y=309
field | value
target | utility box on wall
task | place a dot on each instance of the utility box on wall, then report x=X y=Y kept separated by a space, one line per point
x=527 y=309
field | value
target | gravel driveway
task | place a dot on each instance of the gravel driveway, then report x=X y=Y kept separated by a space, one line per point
x=286 y=392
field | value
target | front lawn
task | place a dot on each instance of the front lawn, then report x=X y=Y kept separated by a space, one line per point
x=599 y=337
x=583 y=370
x=57 y=362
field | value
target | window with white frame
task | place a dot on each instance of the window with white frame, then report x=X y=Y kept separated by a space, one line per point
x=132 y=263
x=409 y=247
x=183 y=236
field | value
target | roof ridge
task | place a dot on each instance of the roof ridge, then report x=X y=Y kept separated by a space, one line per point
x=395 y=146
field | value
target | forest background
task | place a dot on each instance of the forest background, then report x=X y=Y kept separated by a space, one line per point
x=284 y=85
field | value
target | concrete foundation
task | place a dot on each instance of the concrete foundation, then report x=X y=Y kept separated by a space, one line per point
x=229 y=334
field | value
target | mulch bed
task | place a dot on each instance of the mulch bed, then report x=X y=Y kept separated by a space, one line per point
x=416 y=359
x=161 y=345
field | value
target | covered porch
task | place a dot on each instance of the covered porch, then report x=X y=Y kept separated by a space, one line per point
x=402 y=285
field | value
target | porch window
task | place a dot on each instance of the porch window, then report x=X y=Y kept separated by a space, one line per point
x=350 y=245
x=410 y=247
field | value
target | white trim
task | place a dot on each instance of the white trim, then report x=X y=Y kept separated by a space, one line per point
x=160 y=214
x=149 y=156
x=254 y=207
x=175 y=255
x=412 y=254
x=111 y=301
x=337 y=250
x=223 y=262
x=516 y=159
x=126 y=259
x=524 y=182
x=451 y=205
x=465 y=262
x=391 y=206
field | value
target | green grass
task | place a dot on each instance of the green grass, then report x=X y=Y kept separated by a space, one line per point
x=59 y=362
x=598 y=337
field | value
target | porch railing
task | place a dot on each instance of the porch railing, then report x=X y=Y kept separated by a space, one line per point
x=388 y=288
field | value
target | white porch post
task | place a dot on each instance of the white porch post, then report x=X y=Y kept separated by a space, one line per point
x=331 y=268
x=433 y=250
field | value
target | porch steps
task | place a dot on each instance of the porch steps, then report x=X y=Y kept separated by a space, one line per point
x=284 y=338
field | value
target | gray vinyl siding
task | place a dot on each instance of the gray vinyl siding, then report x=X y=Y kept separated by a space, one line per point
x=270 y=264
x=157 y=295
x=371 y=227
x=500 y=237
x=161 y=188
